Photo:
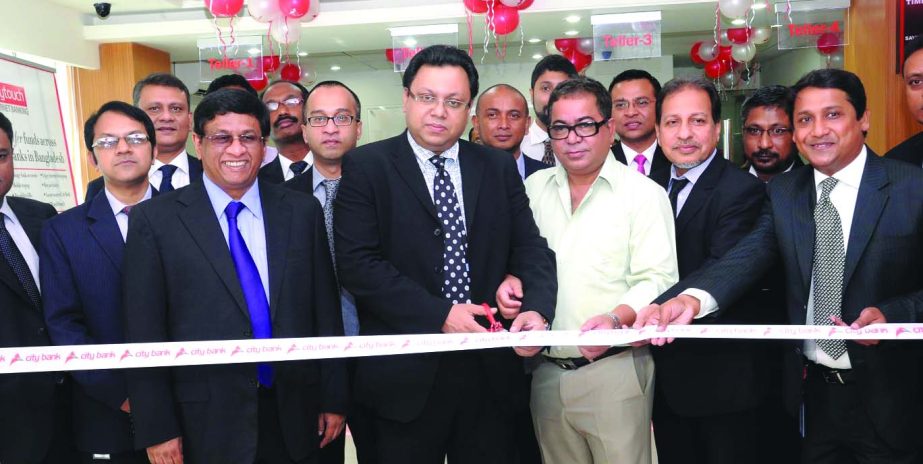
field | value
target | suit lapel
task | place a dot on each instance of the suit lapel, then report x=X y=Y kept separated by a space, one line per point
x=277 y=221
x=406 y=164
x=618 y=153
x=701 y=192
x=105 y=229
x=804 y=198
x=870 y=203
x=660 y=160
x=195 y=168
x=472 y=171
x=199 y=218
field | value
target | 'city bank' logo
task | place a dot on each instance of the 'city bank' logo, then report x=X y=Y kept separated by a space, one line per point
x=12 y=95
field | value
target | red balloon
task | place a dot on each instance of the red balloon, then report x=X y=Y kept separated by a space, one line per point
x=580 y=60
x=565 y=45
x=739 y=35
x=716 y=68
x=506 y=19
x=224 y=8
x=724 y=53
x=271 y=63
x=294 y=8
x=694 y=54
x=525 y=4
x=476 y=6
x=389 y=54
x=259 y=84
x=290 y=72
x=828 y=43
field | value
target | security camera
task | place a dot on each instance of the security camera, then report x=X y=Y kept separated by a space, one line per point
x=103 y=9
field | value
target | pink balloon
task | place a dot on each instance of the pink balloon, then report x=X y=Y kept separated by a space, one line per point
x=828 y=43
x=506 y=19
x=264 y=11
x=476 y=6
x=224 y=8
x=294 y=8
x=290 y=72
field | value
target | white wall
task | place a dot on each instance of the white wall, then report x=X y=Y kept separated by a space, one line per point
x=42 y=28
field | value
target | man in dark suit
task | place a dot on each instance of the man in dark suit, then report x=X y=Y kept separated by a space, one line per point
x=502 y=119
x=767 y=132
x=426 y=227
x=849 y=233
x=85 y=307
x=165 y=99
x=634 y=94
x=285 y=101
x=230 y=258
x=706 y=392
x=911 y=150
x=35 y=418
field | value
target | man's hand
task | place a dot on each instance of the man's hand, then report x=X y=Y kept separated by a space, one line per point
x=126 y=406
x=680 y=310
x=868 y=316
x=168 y=452
x=528 y=321
x=509 y=295
x=330 y=425
x=625 y=315
x=461 y=319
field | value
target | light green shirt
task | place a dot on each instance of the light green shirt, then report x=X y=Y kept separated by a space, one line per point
x=618 y=247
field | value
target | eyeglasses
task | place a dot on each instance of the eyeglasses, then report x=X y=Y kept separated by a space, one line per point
x=225 y=140
x=431 y=100
x=289 y=102
x=622 y=105
x=775 y=132
x=338 y=120
x=582 y=129
x=110 y=142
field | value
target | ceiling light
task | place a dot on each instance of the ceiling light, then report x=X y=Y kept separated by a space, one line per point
x=739 y=22
x=537 y=56
x=572 y=19
x=534 y=40
x=571 y=33
x=334 y=68
x=759 y=6
x=254 y=51
x=302 y=53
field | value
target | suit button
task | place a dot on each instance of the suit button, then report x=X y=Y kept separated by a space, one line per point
x=437 y=232
x=41 y=330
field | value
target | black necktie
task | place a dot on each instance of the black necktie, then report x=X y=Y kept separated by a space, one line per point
x=456 y=282
x=298 y=167
x=678 y=186
x=18 y=263
x=166 y=181
x=548 y=156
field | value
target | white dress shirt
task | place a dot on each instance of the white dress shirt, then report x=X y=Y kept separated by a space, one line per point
x=20 y=239
x=521 y=166
x=452 y=167
x=692 y=176
x=631 y=154
x=180 y=176
x=117 y=206
x=287 y=165
x=755 y=174
x=533 y=144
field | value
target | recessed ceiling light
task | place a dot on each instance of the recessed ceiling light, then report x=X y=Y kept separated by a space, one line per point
x=537 y=56
x=410 y=42
x=571 y=33
x=572 y=19
x=302 y=53
x=254 y=51
x=334 y=68
x=534 y=40
x=739 y=22
x=759 y=6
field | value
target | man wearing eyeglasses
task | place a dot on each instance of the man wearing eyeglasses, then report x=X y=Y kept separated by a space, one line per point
x=232 y=257
x=165 y=99
x=614 y=255
x=83 y=307
x=426 y=228
x=285 y=102
x=767 y=132
x=707 y=393
x=634 y=95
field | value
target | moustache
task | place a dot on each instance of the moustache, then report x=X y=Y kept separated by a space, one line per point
x=765 y=154
x=284 y=118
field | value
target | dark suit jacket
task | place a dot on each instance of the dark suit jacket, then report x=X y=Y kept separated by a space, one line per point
x=910 y=150
x=190 y=291
x=389 y=255
x=272 y=172
x=84 y=308
x=659 y=162
x=882 y=269
x=195 y=175
x=532 y=165
x=26 y=400
x=303 y=182
x=711 y=377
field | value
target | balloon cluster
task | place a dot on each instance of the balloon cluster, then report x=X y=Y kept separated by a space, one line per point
x=502 y=16
x=284 y=17
x=727 y=57
x=577 y=51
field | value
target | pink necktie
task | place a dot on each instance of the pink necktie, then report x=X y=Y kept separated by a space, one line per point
x=639 y=160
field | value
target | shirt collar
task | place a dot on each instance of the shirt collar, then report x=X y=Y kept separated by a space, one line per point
x=117 y=205
x=850 y=175
x=536 y=134
x=5 y=210
x=608 y=173
x=693 y=174
x=648 y=152
x=181 y=161
x=220 y=199
x=425 y=155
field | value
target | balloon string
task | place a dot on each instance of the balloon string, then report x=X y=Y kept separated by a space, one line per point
x=233 y=39
x=522 y=39
x=717 y=26
x=224 y=46
x=487 y=32
x=788 y=10
x=468 y=19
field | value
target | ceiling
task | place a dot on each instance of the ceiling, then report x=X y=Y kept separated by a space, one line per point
x=353 y=33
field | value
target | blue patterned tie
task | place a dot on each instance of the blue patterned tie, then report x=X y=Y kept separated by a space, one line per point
x=456 y=283
x=252 y=286
x=18 y=263
x=166 y=181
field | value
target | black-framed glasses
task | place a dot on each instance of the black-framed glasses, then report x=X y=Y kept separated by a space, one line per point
x=426 y=99
x=582 y=129
x=774 y=132
x=338 y=120
x=223 y=140
x=288 y=102
x=110 y=141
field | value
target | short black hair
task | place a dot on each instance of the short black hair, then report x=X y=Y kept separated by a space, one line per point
x=554 y=63
x=161 y=79
x=442 y=55
x=230 y=80
x=304 y=90
x=525 y=102
x=6 y=126
x=914 y=46
x=338 y=84
x=229 y=100
x=634 y=75
x=129 y=111
x=835 y=79
x=772 y=96
x=681 y=83
x=584 y=85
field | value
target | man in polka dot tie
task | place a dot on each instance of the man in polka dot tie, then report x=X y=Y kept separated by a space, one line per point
x=426 y=228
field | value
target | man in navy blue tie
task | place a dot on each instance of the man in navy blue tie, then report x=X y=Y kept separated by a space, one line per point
x=231 y=258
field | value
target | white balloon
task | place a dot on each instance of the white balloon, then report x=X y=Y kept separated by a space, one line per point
x=313 y=11
x=551 y=48
x=512 y=3
x=734 y=8
x=264 y=11
x=743 y=52
x=723 y=37
x=286 y=31
x=759 y=35
x=585 y=46
x=708 y=51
